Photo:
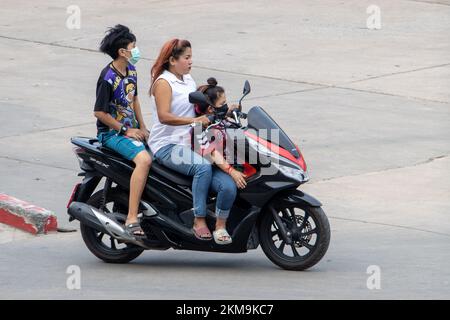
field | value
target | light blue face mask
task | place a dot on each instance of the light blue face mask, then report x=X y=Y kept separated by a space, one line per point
x=135 y=55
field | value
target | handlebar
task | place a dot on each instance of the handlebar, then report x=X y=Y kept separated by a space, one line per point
x=216 y=119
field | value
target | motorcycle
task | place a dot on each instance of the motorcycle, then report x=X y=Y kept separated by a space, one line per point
x=290 y=225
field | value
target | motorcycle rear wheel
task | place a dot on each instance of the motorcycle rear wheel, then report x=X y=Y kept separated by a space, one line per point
x=103 y=246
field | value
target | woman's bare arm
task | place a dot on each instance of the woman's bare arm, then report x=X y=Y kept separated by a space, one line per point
x=163 y=99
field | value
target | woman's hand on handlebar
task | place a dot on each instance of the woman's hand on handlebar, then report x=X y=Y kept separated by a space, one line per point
x=203 y=119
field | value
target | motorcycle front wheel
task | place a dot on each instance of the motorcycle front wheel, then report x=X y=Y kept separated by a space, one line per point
x=310 y=234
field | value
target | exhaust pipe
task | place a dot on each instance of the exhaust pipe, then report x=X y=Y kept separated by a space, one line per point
x=106 y=223
x=85 y=214
x=99 y=221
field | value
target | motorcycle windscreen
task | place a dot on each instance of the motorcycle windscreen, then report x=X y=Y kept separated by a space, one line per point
x=258 y=119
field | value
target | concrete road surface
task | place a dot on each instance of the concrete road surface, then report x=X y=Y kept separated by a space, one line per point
x=370 y=110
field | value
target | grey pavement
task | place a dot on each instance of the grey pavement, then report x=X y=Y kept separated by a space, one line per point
x=370 y=110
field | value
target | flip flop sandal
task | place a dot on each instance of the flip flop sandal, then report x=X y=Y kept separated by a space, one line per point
x=135 y=230
x=221 y=236
x=202 y=233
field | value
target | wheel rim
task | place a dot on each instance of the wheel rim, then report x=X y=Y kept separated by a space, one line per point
x=107 y=242
x=304 y=230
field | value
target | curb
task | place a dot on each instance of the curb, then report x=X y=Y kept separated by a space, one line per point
x=25 y=216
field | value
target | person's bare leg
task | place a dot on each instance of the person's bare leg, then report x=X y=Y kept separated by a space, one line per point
x=221 y=223
x=199 y=222
x=137 y=183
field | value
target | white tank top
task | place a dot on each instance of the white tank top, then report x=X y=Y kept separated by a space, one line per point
x=163 y=134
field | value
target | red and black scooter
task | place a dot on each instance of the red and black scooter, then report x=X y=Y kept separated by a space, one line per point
x=290 y=225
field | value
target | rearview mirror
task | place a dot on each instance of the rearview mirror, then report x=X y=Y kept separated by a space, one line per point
x=245 y=92
x=247 y=88
x=197 y=97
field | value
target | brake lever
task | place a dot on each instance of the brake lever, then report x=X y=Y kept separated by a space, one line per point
x=211 y=119
x=212 y=125
x=236 y=116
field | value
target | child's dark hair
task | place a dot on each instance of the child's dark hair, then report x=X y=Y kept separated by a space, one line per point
x=212 y=92
x=116 y=38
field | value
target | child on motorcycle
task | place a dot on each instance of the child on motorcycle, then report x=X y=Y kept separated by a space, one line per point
x=213 y=147
x=120 y=125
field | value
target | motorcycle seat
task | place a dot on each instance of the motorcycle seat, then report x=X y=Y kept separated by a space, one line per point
x=171 y=175
x=156 y=168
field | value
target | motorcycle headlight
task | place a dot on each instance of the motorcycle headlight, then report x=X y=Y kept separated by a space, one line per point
x=296 y=174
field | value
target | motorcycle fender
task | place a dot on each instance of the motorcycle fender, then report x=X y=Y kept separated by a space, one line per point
x=297 y=196
x=87 y=187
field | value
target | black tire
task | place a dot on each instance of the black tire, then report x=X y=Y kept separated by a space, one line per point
x=268 y=231
x=93 y=239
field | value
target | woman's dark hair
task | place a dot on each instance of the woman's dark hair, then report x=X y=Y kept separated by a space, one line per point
x=212 y=92
x=172 y=48
x=116 y=38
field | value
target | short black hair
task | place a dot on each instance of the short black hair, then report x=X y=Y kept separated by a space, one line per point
x=116 y=38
